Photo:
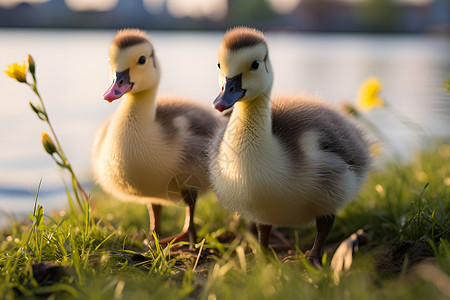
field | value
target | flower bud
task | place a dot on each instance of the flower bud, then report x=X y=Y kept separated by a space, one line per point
x=48 y=144
x=39 y=112
x=31 y=65
x=349 y=109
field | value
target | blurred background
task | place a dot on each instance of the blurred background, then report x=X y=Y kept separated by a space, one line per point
x=304 y=15
x=320 y=47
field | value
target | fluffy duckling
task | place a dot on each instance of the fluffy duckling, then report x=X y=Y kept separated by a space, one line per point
x=151 y=151
x=286 y=162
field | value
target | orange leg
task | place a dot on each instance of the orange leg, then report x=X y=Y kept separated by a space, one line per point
x=188 y=233
x=154 y=215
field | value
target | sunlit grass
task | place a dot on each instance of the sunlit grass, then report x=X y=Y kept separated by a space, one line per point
x=107 y=261
x=405 y=200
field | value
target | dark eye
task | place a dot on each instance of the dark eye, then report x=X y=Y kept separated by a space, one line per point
x=218 y=65
x=255 y=65
x=142 y=60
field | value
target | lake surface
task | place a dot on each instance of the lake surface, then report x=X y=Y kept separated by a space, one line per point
x=73 y=72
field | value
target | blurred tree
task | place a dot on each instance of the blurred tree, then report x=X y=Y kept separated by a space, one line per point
x=249 y=12
x=378 y=15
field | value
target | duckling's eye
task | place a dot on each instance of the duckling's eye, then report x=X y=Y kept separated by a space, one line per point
x=218 y=65
x=255 y=65
x=142 y=60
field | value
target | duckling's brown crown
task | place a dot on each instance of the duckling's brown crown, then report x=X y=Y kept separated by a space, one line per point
x=243 y=37
x=129 y=37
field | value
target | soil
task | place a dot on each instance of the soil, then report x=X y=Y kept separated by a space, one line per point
x=401 y=257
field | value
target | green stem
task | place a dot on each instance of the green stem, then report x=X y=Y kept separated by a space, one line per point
x=61 y=152
x=407 y=121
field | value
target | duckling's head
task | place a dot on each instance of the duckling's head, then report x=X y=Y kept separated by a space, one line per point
x=245 y=69
x=133 y=62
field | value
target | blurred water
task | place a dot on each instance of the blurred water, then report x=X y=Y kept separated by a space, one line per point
x=73 y=73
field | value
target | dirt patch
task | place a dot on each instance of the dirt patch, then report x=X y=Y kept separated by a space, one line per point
x=49 y=271
x=401 y=257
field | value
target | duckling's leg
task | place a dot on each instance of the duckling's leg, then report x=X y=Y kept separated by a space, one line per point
x=188 y=233
x=190 y=197
x=264 y=232
x=283 y=242
x=324 y=225
x=154 y=215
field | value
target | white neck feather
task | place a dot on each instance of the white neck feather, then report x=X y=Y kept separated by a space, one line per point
x=248 y=145
x=140 y=105
x=250 y=123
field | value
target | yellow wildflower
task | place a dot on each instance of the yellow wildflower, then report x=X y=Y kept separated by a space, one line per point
x=17 y=72
x=368 y=97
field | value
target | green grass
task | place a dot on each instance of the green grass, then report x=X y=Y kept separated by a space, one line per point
x=101 y=253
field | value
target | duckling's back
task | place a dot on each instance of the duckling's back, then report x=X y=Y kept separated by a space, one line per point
x=293 y=116
x=194 y=126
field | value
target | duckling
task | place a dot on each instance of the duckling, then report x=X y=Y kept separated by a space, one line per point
x=288 y=161
x=151 y=150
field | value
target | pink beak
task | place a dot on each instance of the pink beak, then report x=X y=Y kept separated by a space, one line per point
x=119 y=87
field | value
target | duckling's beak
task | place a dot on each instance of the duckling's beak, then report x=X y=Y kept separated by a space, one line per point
x=231 y=93
x=119 y=87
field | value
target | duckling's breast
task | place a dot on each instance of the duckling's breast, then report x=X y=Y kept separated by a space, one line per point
x=262 y=184
x=137 y=163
